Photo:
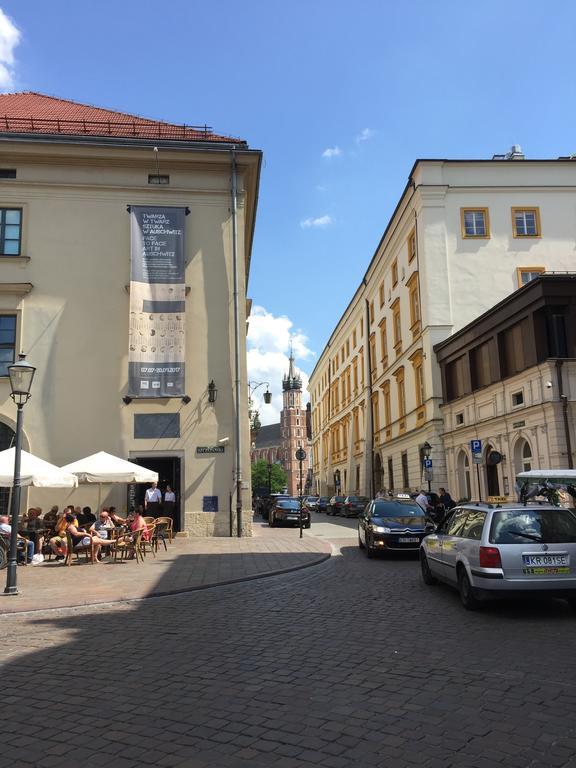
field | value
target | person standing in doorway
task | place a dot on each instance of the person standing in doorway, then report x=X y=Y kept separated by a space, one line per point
x=169 y=503
x=152 y=500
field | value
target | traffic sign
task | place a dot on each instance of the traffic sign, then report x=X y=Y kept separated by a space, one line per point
x=300 y=454
x=476 y=446
x=427 y=463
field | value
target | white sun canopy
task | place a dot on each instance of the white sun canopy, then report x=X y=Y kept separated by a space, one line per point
x=557 y=476
x=33 y=471
x=102 y=467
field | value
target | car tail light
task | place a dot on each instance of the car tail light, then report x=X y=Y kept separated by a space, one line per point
x=490 y=557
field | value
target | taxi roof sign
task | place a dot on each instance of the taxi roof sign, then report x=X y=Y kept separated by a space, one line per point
x=497 y=499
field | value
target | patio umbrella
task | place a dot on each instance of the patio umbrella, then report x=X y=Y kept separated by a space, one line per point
x=102 y=467
x=33 y=471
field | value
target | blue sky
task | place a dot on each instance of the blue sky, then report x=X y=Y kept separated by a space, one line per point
x=378 y=84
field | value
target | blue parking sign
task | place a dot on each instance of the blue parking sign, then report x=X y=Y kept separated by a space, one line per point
x=476 y=446
x=427 y=463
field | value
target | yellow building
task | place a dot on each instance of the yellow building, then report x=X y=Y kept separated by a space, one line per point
x=92 y=202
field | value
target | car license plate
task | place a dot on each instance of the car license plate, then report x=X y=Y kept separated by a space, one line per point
x=408 y=540
x=546 y=565
x=292 y=517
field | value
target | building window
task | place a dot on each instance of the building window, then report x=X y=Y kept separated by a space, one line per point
x=7 y=342
x=381 y=294
x=394 y=272
x=412 y=246
x=155 y=178
x=387 y=408
x=354 y=338
x=455 y=377
x=464 y=488
x=375 y=412
x=384 y=343
x=10 y=231
x=397 y=326
x=475 y=222
x=459 y=419
x=419 y=382
x=373 y=363
x=414 y=298
x=390 y=474
x=526 y=222
x=405 y=478
x=517 y=398
x=526 y=274
x=523 y=456
x=401 y=393
x=481 y=367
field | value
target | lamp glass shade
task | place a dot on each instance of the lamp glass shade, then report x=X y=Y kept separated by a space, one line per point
x=212 y=392
x=267 y=397
x=21 y=376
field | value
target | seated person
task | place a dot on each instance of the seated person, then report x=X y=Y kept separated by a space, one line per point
x=58 y=541
x=23 y=544
x=139 y=524
x=88 y=517
x=51 y=516
x=103 y=525
x=80 y=538
x=34 y=526
x=115 y=517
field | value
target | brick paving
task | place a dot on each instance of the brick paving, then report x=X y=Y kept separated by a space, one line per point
x=347 y=664
x=187 y=564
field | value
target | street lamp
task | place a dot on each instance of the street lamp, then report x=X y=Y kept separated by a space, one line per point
x=253 y=414
x=427 y=448
x=21 y=376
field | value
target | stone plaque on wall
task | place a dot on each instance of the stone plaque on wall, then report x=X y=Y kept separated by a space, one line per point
x=151 y=426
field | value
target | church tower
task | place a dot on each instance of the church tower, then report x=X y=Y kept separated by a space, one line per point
x=293 y=430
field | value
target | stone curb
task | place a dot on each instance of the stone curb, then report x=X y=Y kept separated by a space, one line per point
x=180 y=591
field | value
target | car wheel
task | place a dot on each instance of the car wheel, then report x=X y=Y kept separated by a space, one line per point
x=427 y=577
x=360 y=542
x=467 y=597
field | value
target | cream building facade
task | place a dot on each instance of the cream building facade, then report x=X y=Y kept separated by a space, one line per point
x=68 y=173
x=464 y=235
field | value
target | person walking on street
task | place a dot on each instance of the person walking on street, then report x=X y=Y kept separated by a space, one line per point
x=446 y=499
x=422 y=501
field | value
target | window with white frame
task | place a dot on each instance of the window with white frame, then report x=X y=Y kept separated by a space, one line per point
x=475 y=222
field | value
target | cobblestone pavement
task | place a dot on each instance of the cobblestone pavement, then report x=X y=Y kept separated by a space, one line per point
x=350 y=663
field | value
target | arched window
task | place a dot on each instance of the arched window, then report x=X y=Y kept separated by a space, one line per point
x=463 y=468
x=523 y=459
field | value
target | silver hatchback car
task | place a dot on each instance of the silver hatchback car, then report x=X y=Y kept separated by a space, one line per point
x=489 y=551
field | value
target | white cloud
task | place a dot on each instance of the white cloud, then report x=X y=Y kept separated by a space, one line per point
x=9 y=39
x=331 y=152
x=321 y=221
x=365 y=135
x=268 y=358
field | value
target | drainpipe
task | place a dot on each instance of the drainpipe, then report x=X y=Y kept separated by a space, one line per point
x=369 y=406
x=564 y=401
x=237 y=388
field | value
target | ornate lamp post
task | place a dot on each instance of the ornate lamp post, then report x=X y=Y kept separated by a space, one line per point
x=21 y=376
x=253 y=413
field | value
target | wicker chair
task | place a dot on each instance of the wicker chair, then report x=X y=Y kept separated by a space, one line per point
x=169 y=523
x=127 y=545
x=161 y=533
x=149 y=544
x=87 y=549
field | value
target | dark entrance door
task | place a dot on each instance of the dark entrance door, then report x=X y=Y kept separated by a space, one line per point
x=168 y=468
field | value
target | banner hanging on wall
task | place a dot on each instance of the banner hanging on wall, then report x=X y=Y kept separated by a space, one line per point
x=157 y=302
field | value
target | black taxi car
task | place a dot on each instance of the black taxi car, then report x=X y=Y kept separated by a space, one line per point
x=397 y=524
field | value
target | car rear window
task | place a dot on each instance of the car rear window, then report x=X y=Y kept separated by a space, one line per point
x=397 y=509
x=288 y=504
x=521 y=526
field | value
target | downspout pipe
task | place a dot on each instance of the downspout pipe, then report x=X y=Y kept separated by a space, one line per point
x=237 y=378
x=369 y=405
x=564 y=401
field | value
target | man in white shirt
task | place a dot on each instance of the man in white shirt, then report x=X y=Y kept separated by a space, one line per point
x=23 y=544
x=422 y=500
x=152 y=500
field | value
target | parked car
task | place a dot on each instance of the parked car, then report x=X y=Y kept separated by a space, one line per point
x=323 y=502
x=488 y=551
x=311 y=503
x=287 y=512
x=354 y=505
x=392 y=524
x=335 y=505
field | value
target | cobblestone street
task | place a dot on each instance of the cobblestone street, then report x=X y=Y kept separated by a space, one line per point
x=349 y=663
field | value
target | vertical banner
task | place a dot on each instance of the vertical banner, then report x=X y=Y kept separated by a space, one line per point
x=157 y=302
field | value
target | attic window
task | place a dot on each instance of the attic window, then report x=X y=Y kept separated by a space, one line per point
x=154 y=178
x=7 y=173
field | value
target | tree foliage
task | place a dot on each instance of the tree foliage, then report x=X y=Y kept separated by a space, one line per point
x=260 y=477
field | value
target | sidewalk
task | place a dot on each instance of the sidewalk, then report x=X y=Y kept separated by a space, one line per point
x=187 y=565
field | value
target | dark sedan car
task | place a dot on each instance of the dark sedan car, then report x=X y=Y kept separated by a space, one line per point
x=395 y=524
x=323 y=502
x=287 y=512
x=354 y=505
x=335 y=505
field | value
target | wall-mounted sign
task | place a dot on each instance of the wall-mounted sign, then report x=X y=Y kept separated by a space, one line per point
x=157 y=306
x=210 y=449
x=518 y=424
x=209 y=503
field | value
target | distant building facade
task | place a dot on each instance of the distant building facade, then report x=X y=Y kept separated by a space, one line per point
x=509 y=380
x=278 y=443
x=463 y=236
x=71 y=178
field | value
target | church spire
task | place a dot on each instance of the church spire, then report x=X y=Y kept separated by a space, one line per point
x=292 y=380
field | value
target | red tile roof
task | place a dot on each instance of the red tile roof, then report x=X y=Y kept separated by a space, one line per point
x=35 y=113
